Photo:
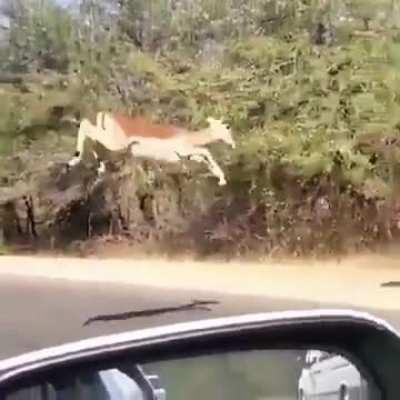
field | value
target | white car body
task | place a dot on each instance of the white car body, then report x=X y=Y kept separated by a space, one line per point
x=330 y=376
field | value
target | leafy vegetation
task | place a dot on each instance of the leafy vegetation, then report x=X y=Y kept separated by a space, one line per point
x=316 y=114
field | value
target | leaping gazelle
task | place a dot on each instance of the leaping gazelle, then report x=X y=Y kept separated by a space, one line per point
x=169 y=143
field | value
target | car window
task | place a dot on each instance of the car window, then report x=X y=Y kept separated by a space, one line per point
x=139 y=136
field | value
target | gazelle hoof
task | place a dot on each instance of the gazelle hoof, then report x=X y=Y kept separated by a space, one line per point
x=222 y=182
x=102 y=168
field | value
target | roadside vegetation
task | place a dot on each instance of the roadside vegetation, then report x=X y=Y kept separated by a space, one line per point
x=310 y=88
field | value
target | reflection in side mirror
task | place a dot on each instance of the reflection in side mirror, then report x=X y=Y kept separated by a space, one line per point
x=329 y=375
x=312 y=361
x=312 y=356
x=254 y=374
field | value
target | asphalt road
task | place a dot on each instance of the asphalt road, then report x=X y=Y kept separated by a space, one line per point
x=36 y=313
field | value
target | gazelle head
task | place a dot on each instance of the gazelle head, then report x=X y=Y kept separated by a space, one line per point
x=221 y=131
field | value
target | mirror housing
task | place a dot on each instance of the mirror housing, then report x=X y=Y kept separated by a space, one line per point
x=370 y=343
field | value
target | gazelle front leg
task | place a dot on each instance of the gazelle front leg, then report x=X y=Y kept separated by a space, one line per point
x=203 y=155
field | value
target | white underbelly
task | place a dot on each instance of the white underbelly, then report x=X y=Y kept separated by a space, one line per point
x=115 y=145
x=158 y=149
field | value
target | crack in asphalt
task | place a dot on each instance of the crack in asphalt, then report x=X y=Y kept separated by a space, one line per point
x=201 y=305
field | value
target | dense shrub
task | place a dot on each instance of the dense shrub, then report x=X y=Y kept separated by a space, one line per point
x=317 y=164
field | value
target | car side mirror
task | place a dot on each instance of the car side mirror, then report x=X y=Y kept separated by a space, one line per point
x=236 y=357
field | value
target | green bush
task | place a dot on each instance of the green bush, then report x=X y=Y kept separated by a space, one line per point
x=301 y=114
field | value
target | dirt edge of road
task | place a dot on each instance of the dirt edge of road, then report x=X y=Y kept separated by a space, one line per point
x=356 y=281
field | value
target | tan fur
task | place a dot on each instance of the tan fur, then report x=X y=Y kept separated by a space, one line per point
x=142 y=127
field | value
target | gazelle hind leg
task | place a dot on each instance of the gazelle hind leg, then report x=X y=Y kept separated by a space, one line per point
x=86 y=130
x=203 y=155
